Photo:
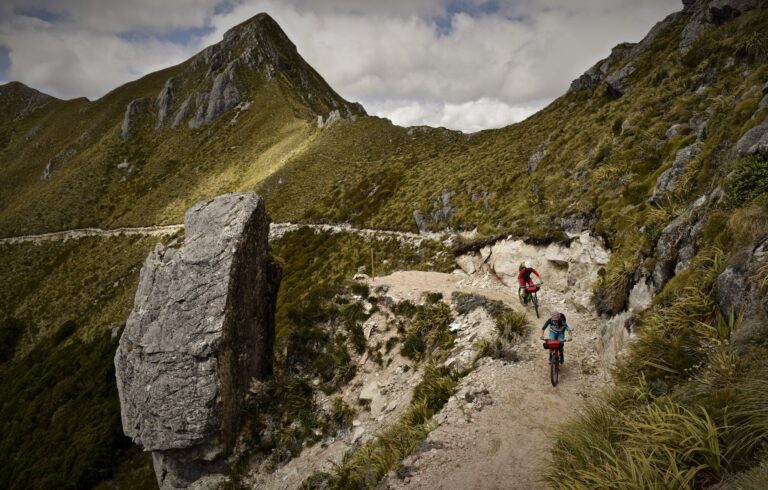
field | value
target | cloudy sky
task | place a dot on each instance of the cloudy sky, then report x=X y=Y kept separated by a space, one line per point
x=462 y=64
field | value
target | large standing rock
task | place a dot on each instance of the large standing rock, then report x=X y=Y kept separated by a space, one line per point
x=201 y=329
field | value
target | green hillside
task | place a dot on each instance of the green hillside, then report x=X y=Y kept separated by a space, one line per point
x=243 y=115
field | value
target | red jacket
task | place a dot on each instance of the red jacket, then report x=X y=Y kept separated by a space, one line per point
x=524 y=276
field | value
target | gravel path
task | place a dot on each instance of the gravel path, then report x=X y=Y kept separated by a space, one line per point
x=501 y=441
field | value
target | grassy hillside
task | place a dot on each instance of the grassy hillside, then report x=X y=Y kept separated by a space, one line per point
x=693 y=371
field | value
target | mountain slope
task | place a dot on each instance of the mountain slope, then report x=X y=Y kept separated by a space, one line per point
x=659 y=150
x=226 y=118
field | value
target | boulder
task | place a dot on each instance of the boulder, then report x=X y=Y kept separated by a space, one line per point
x=754 y=141
x=675 y=130
x=668 y=180
x=201 y=330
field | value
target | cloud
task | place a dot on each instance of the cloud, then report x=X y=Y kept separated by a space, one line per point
x=464 y=64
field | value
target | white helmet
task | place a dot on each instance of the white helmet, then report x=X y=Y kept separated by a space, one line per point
x=528 y=264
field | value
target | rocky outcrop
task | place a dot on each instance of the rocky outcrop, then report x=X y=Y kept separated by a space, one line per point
x=708 y=13
x=133 y=112
x=597 y=73
x=668 y=180
x=741 y=290
x=256 y=47
x=163 y=103
x=737 y=286
x=677 y=244
x=754 y=141
x=201 y=329
x=537 y=157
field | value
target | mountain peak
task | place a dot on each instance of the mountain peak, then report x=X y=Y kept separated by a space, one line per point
x=256 y=46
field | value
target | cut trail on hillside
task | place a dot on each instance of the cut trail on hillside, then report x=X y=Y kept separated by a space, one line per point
x=503 y=444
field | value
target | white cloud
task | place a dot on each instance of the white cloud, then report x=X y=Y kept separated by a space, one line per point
x=397 y=58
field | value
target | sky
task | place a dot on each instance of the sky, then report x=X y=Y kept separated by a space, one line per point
x=462 y=64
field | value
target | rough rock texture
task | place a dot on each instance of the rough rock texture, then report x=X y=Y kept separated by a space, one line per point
x=597 y=73
x=163 y=103
x=132 y=112
x=754 y=141
x=570 y=269
x=709 y=13
x=737 y=288
x=536 y=158
x=677 y=244
x=201 y=328
x=741 y=291
x=668 y=180
x=442 y=211
x=256 y=47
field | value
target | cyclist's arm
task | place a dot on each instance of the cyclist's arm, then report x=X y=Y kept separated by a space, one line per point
x=569 y=330
x=536 y=272
x=544 y=328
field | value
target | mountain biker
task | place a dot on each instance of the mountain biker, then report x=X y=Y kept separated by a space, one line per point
x=524 y=276
x=557 y=328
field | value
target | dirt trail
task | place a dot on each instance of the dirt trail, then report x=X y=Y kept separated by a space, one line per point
x=276 y=230
x=504 y=443
x=65 y=235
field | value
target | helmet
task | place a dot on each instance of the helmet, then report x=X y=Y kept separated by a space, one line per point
x=556 y=317
x=528 y=264
x=522 y=265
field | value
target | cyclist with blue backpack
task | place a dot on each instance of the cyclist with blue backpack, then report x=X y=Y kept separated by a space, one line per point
x=557 y=327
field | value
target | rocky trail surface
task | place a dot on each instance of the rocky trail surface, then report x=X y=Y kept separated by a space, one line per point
x=495 y=432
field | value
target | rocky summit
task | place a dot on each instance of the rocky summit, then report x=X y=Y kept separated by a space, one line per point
x=201 y=330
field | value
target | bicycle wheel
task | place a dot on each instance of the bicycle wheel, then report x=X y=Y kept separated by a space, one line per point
x=521 y=295
x=554 y=367
x=535 y=300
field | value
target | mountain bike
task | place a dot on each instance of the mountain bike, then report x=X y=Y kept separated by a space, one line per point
x=554 y=347
x=527 y=295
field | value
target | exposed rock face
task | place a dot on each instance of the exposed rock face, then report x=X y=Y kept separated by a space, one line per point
x=677 y=244
x=536 y=159
x=163 y=103
x=754 y=141
x=132 y=112
x=597 y=73
x=257 y=46
x=201 y=329
x=668 y=180
x=708 y=13
x=736 y=285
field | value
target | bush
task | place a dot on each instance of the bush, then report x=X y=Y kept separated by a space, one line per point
x=10 y=333
x=749 y=179
x=428 y=331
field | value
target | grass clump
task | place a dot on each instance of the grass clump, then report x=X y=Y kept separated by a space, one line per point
x=367 y=466
x=428 y=331
x=749 y=179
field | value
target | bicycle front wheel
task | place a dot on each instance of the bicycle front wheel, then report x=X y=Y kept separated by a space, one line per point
x=554 y=370
x=535 y=299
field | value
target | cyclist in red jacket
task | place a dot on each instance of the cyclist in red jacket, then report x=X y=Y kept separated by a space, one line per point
x=524 y=276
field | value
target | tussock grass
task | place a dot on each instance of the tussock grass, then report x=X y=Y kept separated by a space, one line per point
x=366 y=466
